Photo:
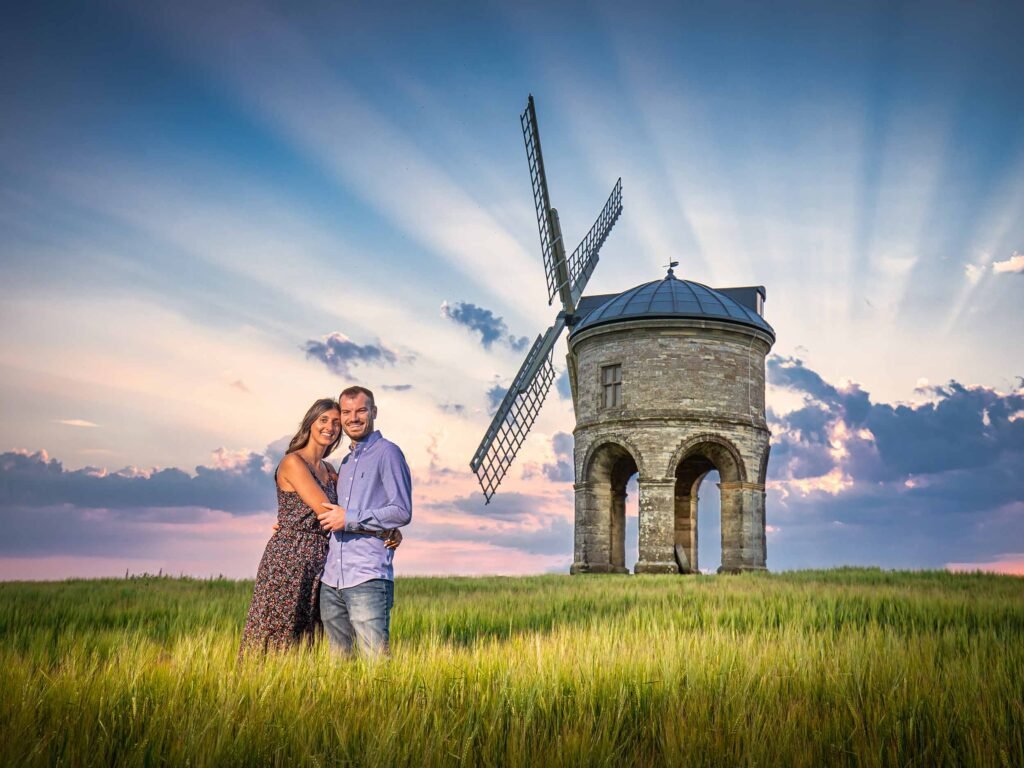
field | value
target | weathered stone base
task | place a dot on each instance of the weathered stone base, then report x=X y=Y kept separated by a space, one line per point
x=743 y=569
x=655 y=567
x=576 y=568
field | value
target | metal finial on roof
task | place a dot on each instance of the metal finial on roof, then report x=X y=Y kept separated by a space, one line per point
x=671 y=265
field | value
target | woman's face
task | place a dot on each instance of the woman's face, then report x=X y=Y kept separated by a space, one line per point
x=326 y=428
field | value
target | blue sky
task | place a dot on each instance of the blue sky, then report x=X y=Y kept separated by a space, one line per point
x=211 y=216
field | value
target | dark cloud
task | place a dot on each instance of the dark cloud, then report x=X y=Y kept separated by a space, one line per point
x=494 y=397
x=46 y=509
x=396 y=387
x=960 y=428
x=244 y=485
x=562 y=470
x=479 y=320
x=455 y=408
x=922 y=485
x=338 y=353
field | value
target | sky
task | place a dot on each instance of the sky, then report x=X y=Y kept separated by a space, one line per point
x=213 y=214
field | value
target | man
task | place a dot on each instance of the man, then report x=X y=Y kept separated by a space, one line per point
x=374 y=495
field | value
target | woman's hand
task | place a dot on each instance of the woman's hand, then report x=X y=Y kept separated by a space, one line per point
x=394 y=539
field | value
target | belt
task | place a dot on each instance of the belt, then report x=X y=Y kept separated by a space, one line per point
x=368 y=532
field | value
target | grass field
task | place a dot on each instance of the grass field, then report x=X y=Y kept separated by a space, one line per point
x=845 y=667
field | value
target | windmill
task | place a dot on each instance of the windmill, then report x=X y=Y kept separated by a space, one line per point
x=566 y=278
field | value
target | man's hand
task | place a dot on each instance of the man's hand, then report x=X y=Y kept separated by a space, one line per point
x=394 y=539
x=333 y=519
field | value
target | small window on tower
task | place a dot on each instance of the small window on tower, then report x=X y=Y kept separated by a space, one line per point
x=611 y=383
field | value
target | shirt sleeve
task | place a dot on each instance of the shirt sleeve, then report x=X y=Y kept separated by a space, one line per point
x=395 y=497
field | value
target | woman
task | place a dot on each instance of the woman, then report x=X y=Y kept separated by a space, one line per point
x=284 y=609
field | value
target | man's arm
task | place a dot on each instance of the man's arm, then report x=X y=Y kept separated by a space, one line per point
x=396 y=481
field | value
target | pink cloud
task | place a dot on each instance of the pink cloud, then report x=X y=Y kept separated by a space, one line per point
x=1011 y=565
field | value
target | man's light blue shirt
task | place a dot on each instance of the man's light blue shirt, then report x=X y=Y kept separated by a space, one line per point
x=375 y=490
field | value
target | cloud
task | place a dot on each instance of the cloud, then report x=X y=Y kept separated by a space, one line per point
x=1013 y=265
x=562 y=469
x=453 y=408
x=1010 y=564
x=275 y=451
x=436 y=469
x=479 y=320
x=494 y=397
x=396 y=387
x=851 y=481
x=338 y=353
x=923 y=485
x=76 y=423
x=562 y=385
x=531 y=523
x=236 y=482
x=240 y=386
x=974 y=272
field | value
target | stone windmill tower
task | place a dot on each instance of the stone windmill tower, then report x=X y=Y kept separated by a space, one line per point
x=667 y=381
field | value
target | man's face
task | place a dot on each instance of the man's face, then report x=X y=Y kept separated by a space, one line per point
x=357 y=416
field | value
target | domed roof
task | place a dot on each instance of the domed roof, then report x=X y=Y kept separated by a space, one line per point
x=669 y=298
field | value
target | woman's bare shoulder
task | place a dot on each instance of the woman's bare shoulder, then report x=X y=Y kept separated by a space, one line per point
x=289 y=465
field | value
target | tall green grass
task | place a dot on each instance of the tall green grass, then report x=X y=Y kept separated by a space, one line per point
x=845 y=667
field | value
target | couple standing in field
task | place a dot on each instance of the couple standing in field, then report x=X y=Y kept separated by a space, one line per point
x=330 y=557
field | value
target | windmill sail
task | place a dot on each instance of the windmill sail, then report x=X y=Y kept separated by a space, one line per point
x=551 y=246
x=517 y=412
x=566 y=278
x=584 y=258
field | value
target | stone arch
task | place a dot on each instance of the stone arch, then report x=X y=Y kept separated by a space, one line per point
x=691 y=462
x=722 y=454
x=598 y=445
x=606 y=469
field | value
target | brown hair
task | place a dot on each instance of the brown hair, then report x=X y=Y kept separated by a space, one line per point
x=320 y=407
x=357 y=390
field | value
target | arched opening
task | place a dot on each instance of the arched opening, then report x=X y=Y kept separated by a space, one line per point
x=611 y=469
x=632 y=521
x=707 y=509
x=704 y=517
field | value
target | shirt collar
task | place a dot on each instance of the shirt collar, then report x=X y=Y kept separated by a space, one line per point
x=365 y=444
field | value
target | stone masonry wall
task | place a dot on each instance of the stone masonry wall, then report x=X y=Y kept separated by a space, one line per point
x=689 y=387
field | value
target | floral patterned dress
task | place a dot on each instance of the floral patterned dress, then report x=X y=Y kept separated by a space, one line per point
x=285 y=609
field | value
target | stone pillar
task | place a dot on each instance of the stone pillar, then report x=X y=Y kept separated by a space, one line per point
x=686 y=528
x=754 y=546
x=657 y=527
x=743 y=546
x=732 y=527
x=593 y=535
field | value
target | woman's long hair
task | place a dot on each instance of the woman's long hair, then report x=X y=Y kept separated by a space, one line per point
x=301 y=438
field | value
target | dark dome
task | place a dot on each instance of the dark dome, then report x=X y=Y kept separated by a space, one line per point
x=671 y=297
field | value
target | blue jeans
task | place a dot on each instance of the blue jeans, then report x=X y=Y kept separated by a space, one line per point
x=358 y=614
